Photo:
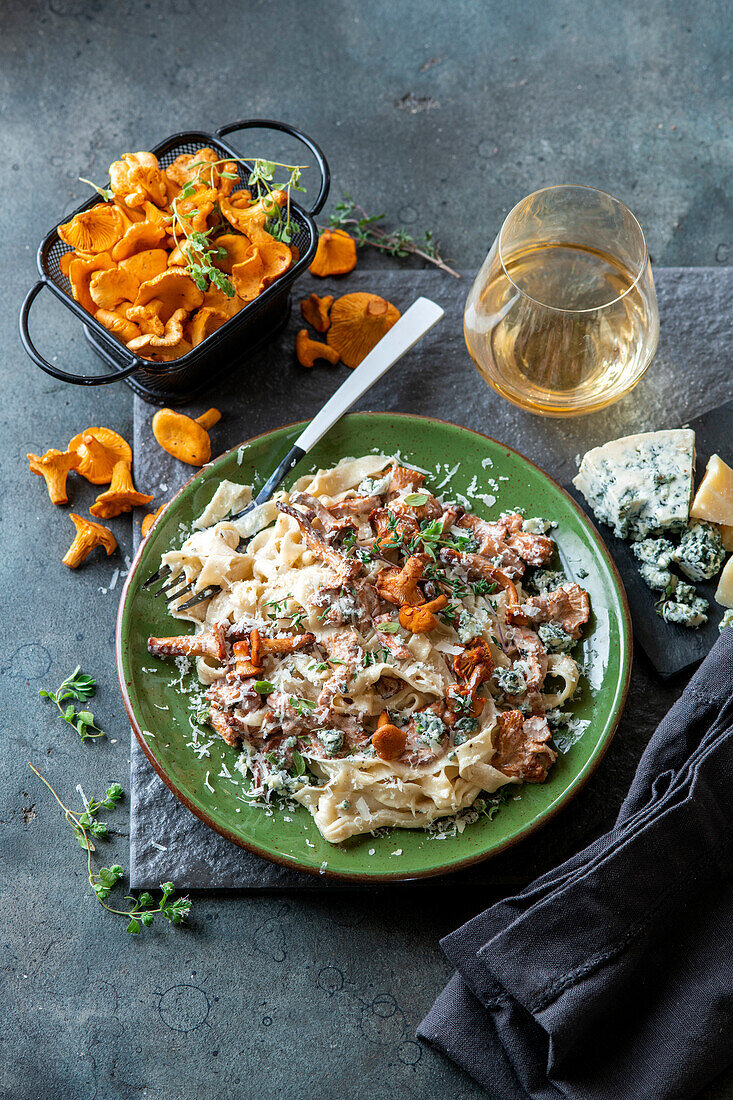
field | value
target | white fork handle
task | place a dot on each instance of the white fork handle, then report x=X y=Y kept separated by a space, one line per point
x=412 y=325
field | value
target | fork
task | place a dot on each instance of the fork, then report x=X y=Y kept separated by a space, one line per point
x=412 y=325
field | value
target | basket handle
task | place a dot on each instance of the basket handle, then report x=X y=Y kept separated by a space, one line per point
x=62 y=375
x=285 y=128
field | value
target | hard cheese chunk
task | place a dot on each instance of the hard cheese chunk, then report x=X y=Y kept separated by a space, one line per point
x=640 y=485
x=714 y=498
x=726 y=534
x=724 y=593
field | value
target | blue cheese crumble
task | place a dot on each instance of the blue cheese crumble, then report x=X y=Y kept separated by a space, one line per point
x=332 y=741
x=554 y=638
x=546 y=580
x=429 y=727
x=727 y=620
x=700 y=554
x=463 y=730
x=470 y=625
x=659 y=552
x=684 y=614
x=512 y=680
x=686 y=608
x=536 y=525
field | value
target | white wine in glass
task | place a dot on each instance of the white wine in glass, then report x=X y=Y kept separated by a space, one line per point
x=562 y=318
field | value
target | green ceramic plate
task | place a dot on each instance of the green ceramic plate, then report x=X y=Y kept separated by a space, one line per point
x=471 y=464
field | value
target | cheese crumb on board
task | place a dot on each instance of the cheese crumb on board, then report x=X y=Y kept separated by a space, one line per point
x=724 y=592
x=640 y=485
x=714 y=499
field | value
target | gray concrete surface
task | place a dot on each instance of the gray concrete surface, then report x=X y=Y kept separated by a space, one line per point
x=444 y=115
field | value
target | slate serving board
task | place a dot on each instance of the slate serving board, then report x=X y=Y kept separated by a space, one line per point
x=669 y=647
x=692 y=372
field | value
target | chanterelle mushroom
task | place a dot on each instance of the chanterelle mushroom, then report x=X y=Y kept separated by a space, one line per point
x=95 y=230
x=100 y=449
x=316 y=311
x=80 y=271
x=399 y=586
x=117 y=324
x=358 y=323
x=150 y=519
x=172 y=335
x=140 y=237
x=211 y=644
x=88 y=535
x=421 y=619
x=54 y=467
x=114 y=285
x=183 y=437
x=308 y=351
x=335 y=255
x=205 y=321
x=174 y=289
x=136 y=177
x=122 y=496
x=388 y=740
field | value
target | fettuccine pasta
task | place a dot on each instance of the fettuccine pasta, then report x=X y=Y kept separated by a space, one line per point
x=378 y=655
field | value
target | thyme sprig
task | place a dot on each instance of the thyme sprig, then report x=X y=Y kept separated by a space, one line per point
x=84 y=825
x=79 y=687
x=366 y=230
x=199 y=246
x=104 y=192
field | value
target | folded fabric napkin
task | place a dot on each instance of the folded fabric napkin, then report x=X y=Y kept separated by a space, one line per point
x=611 y=977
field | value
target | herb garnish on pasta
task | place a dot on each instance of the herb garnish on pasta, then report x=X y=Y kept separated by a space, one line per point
x=376 y=654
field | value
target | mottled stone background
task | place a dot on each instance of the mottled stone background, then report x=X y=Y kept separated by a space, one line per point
x=444 y=115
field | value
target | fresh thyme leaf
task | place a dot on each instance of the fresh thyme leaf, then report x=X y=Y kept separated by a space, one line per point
x=298 y=762
x=263 y=687
x=397 y=242
x=113 y=794
x=84 y=825
x=80 y=687
x=482 y=587
x=388 y=628
x=302 y=706
x=416 y=500
x=432 y=529
x=103 y=192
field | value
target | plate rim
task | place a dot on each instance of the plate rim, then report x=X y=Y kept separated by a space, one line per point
x=571 y=791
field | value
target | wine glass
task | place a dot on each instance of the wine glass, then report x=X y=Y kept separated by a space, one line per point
x=562 y=318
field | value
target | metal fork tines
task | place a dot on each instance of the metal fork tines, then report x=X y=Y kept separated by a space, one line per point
x=414 y=323
x=174 y=591
x=158 y=575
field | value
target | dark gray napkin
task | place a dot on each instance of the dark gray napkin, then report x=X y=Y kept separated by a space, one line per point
x=612 y=976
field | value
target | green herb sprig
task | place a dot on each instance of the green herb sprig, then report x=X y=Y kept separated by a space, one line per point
x=199 y=246
x=104 y=192
x=366 y=230
x=79 y=687
x=143 y=910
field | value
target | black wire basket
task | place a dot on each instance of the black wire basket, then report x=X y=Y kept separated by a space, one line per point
x=181 y=379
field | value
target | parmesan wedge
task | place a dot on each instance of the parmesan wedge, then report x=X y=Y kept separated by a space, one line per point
x=726 y=534
x=724 y=592
x=714 y=499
